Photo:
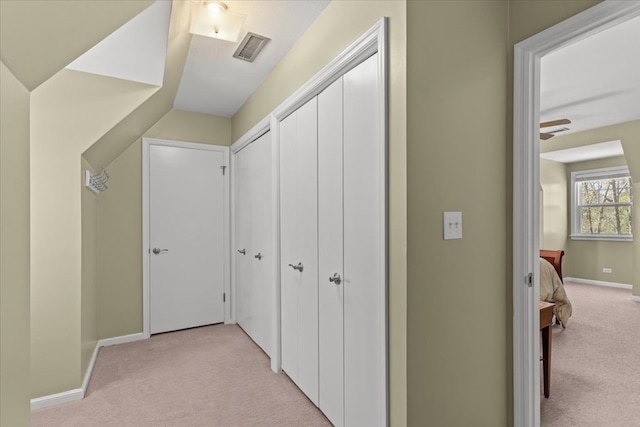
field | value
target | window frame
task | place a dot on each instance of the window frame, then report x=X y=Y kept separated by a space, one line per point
x=592 y=175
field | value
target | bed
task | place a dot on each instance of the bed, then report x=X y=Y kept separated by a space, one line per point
x=551 y=284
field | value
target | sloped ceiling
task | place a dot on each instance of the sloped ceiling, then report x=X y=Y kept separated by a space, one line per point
x=38 y=38
x=137 y=51
x=594 y=82
x=132 y=127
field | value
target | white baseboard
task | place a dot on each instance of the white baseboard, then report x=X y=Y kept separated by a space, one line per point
x=635 y=298
x=87 y=375
x=122 y=340
x=78 y=393
x=598 y=283
x=57 y=399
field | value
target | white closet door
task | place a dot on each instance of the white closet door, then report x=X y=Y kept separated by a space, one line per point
x=330 y=253
x=364 y=286
x=299 y=246
x=260 y=256
x=253 y=237
x=243 y=238
x=290 y=280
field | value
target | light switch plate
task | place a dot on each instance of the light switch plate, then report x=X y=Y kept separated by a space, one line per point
x=452 y=225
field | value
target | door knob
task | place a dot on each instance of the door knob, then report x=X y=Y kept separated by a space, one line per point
x=298 y=267
x=258 y=255
x=158 y=250
x=242 y=251
x=336 y=279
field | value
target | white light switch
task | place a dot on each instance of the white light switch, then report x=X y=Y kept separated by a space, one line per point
x=452 y=225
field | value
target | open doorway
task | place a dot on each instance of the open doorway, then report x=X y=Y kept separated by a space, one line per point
x=589 y=93
x=528 y=55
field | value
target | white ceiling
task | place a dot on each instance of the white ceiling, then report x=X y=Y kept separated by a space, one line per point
x=601 y=150
x=136 y=51
x=214 y=82
x=595 y=82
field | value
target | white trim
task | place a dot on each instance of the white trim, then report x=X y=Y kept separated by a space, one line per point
x=591 y=175
x=57 y=398
x=146 y=143
x=79 y=393
x=635 y=298
x=232 y=241
x=598 y=283
x=527 y=54
x=254 y=133
x=276 y=337
x=92 y=364
x=369 y=43
x=122 y=339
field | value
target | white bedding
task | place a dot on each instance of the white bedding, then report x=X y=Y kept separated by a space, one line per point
x=552 y=290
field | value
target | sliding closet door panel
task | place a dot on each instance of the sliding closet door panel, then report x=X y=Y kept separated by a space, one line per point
x=307 y=212
x=290 y=279
x=363 y=240
x=330 y=211
x=261 y=256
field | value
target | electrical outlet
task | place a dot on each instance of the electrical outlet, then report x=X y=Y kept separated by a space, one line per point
x=606 y=270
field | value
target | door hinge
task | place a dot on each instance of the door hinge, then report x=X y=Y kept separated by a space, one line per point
x=223 y=169
x=529 y=280
x=224 y=297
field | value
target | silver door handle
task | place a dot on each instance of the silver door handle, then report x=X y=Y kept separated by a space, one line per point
x=336 y=279
x=298 y=267
x=242 y=251
x=258 y=255
x=158 y=250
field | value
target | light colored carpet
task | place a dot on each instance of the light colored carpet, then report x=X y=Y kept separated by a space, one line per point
x=595 y=367
x=209 y=376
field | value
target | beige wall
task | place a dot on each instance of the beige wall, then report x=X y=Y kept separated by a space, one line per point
x=120 y=221
x=458 y=340
x=14 y=251
x=88 y=311
x=553 y=220
x=341 y=23
x=623 y=255
x=68 y=113
x=585 y=259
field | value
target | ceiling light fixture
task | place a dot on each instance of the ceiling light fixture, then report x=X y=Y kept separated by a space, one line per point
x=216 y=20
x=215 y=6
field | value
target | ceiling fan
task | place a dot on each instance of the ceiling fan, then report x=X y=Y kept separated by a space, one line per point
x=548 y=135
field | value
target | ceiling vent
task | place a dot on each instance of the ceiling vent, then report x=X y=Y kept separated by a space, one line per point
x=250 y=47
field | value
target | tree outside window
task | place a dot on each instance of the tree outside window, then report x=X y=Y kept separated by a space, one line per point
x=602 y=203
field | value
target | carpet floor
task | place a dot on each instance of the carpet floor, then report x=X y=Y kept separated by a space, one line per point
x=595 y=365
x=209 y=376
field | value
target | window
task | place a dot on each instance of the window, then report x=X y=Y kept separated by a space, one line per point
x=601 y=207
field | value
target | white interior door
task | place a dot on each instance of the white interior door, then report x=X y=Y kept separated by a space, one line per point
x=330 y=254
x=299 y=247
x=186 y=235
x=364 y=240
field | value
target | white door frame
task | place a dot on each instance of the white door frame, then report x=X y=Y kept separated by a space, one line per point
x=372 y=41
x=146 y=143
x=526 y=203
